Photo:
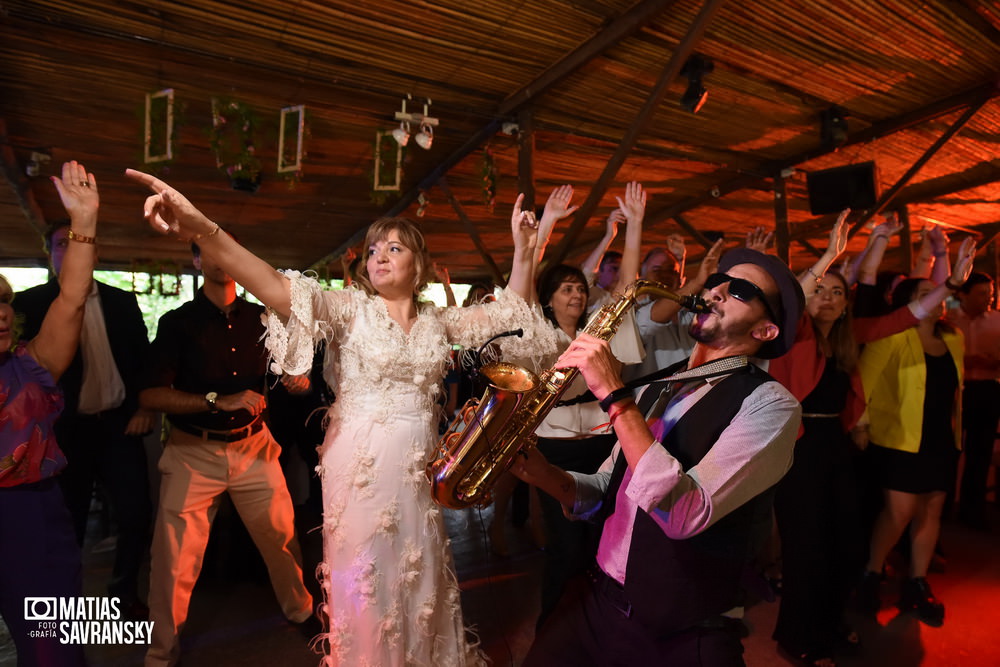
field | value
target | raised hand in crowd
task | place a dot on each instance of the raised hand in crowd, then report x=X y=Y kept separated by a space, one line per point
x=836 y=246
x=441 y=273
x=524 y=231
x=759 y=239
x=55 y=345
x=663 y=310
x=633 y=206
x=557 y=207
x=346 y=263
x=864 y=268
x=678 y=248
x=939 y=251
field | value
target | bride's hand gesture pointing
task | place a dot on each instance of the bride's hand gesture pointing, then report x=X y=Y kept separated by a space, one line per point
x=170 y=212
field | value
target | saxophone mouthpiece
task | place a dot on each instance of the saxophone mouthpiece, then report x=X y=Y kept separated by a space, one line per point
x=695 y=304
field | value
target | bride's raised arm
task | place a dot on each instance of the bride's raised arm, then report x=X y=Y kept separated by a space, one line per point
x=170 y=212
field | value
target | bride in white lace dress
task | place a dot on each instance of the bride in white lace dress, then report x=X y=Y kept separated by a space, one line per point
x=392 y=597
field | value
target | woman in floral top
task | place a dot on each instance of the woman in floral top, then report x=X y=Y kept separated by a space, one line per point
x=38 y=549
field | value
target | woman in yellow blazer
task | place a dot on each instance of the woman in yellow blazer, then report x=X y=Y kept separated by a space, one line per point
x=912 y=382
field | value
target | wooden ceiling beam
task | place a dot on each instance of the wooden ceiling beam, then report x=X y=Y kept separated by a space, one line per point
x=677 y=59
x=498 y=278
x=989 y=233
x=748 y=177
x=627 y=24
x=624 y=26
x=943 y=186
x=810 y=247
x=919 y=164
x=693 y=231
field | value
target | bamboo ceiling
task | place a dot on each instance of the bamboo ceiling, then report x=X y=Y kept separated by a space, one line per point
x=574 y=73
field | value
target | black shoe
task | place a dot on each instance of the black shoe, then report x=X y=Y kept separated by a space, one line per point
x=916 y=594
x=868 y=593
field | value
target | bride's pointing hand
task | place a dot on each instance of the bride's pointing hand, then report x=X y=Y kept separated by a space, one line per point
x=170 y=212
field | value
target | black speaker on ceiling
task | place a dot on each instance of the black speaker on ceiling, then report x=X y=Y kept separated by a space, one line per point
x=832 y=190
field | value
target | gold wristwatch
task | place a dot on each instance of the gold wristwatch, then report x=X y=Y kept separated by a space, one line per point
x=210 y=398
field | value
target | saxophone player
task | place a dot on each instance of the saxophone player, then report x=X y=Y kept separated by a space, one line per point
x=685 y=497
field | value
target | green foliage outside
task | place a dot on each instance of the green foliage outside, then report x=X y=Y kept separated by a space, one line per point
x=153 y=304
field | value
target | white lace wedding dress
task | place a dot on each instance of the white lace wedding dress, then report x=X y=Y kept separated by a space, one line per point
x=391 y=592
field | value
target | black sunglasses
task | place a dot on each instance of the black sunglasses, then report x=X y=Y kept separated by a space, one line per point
x=744 y=290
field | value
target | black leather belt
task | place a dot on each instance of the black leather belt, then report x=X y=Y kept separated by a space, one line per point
x=608 y=588
x=222 y=436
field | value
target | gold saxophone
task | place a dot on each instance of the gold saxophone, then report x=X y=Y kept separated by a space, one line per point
x=488 y=432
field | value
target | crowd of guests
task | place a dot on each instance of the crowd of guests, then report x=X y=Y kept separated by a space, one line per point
x=825 y=412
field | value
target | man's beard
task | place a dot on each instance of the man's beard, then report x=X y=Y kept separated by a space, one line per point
x=699 y=332
x=716 y=330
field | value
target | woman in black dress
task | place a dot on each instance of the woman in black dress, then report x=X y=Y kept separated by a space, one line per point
x=913 y=381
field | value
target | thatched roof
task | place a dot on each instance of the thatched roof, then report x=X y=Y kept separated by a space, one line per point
x=589 y=82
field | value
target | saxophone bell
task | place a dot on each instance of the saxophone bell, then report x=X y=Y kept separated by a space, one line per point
x=490 y=430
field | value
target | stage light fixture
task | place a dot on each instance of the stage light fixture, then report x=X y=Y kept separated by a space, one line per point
x=695 y=69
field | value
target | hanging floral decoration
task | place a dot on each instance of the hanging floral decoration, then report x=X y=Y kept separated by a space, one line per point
x=233 y=140
x=489 y=174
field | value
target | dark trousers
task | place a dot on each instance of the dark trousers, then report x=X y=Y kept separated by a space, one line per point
x=98 y=451
x=822 y=546
x=39 y=557
x=570 y=546
x=980 y=412
x=588 y=629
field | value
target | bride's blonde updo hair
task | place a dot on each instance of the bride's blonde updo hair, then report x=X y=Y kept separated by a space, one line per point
x=411 y=237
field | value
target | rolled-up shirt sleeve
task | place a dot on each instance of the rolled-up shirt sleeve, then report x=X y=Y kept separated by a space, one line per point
x=750 y=456
x=590 y=488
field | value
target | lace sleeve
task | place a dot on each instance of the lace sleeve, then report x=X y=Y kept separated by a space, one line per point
x=472 y=326
x=317 y=315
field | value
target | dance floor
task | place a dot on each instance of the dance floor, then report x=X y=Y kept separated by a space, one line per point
x=235 y=621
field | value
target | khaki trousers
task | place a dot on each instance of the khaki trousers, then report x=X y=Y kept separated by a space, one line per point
x=195 y=473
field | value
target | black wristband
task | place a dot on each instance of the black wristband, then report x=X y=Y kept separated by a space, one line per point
x=952 y=286
x=614 y=397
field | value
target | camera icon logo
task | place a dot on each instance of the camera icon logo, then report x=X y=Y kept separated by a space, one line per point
x=40 y=609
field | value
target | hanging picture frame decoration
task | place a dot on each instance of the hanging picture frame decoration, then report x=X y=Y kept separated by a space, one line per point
x=291 y=138
x=388 y=167
x=158 y=133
